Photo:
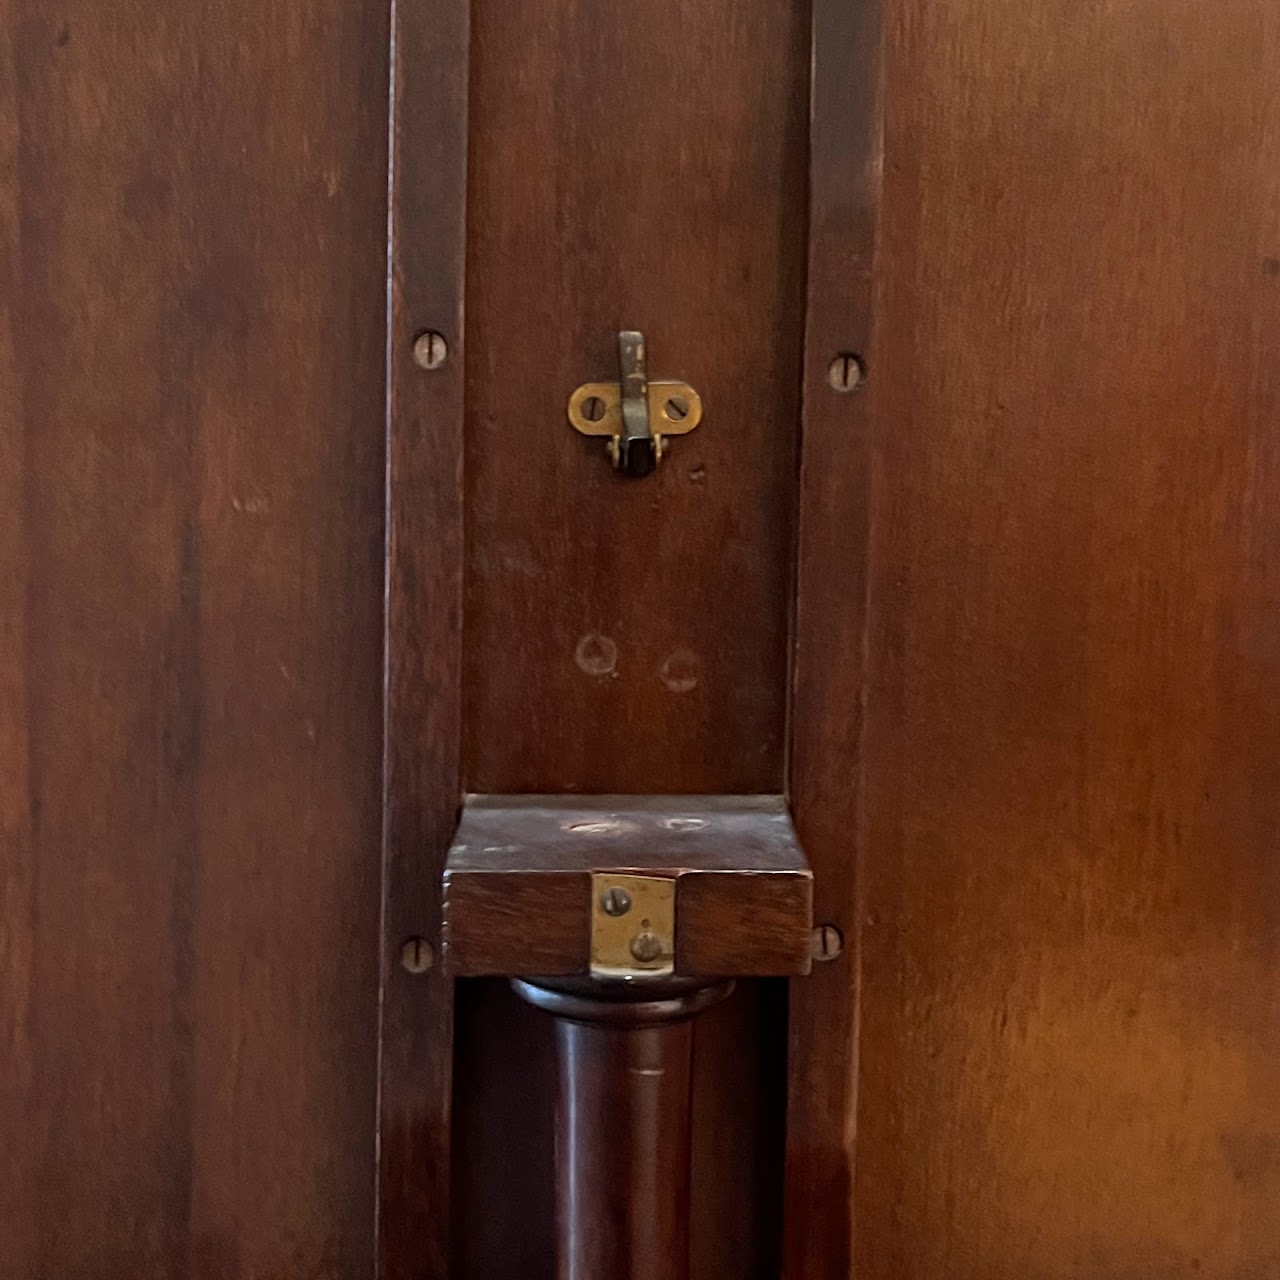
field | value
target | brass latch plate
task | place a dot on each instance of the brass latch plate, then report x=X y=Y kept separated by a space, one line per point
x=636 y=414
x=633 y=925
x=674 y=407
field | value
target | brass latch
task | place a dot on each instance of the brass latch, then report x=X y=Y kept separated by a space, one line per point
x=633 y=925
x=635 y=413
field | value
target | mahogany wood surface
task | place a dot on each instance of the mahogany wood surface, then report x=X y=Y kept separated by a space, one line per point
x=643 y=167
x=192 y=232
x=504 y=1125
x=1070 y=1014
x=518 y=889
x=828 y=675
x=422 y=774
x=623 y=1124
x=623 y=1151
x=1033 y=739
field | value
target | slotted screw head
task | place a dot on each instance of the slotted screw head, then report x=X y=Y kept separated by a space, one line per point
x=827 y=942
x=615 y=901
x=417 y=955
x=846 y=372
x=430 y=350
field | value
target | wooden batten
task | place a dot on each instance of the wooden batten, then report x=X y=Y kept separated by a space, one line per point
x=519 y=882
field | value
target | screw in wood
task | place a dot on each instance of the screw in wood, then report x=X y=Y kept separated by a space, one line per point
x=430 y=350
x=826 y=943
x=846 y=372
x=417 y=955
x=615 y=901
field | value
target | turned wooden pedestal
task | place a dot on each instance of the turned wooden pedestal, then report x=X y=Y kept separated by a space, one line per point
x=624 y=918
x=622 y=1124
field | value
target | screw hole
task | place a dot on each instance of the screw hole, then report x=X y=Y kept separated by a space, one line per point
x=593 y=408
x=847 y=372
x=676 y=409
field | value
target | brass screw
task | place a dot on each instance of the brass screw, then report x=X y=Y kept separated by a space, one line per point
x=646 y=947
x=417 y=955
x=846 y=372
x=826 y=943
x=615 y=901
x=430 y=350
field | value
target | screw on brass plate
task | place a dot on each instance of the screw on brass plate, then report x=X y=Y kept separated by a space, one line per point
x=826 y=943
x=846 y=372
x=615 y=901
x=417 y=955
x=430 y=350
x=646 y=947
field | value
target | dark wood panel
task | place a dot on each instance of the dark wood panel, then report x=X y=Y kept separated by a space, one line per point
x=424 y=625
x=631 y=167
x=739 y=1057
x=846 y=156
x=192 y=216
x=503 y=1136
x=1070 y=1017
x=641 y=167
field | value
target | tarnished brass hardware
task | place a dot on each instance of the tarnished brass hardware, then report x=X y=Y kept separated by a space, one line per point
x=636 y=414
x=633 y=926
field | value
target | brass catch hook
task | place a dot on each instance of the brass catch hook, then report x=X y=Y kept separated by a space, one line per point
x=627 y=410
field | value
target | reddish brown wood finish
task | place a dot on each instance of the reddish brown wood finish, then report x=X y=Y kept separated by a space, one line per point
x=1070 y=1048
x=846 y=160
x=423 y=624
x=192 y=224
x=623 y=1151
x=632 y=637
x=1054 y=855
x=641 y=168
x=623 y=1132
x=517 y=883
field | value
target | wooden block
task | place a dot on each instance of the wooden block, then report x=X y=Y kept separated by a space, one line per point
x=518 y=882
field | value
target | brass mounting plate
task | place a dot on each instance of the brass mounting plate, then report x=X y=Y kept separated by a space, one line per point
x=661 y=394
x=633 y=926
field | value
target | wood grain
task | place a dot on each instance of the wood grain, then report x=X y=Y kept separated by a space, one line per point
x=846 y=167
x=192 y=217
x=503 y=1135
x=423 y=624
x=641 y=166
x=623 y=1124
x=623 y=1144
x=632 y=636
x=518 y=889
x=1070 y=1044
